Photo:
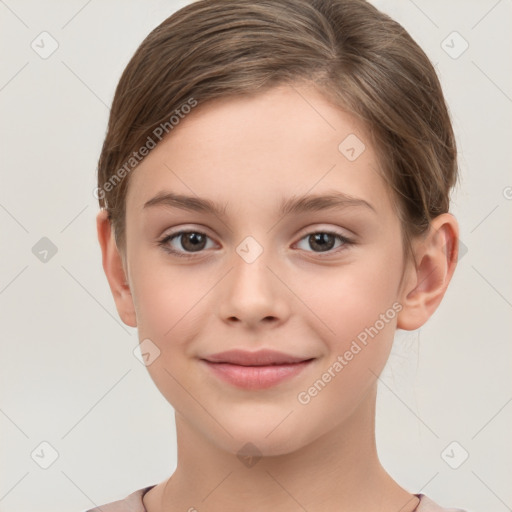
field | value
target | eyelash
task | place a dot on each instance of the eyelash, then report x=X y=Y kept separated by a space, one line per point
x=164 y=242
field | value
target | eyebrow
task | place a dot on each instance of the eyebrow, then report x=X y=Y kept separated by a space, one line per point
x=293 y=205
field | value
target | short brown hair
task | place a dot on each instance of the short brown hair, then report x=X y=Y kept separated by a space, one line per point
x=357 y=56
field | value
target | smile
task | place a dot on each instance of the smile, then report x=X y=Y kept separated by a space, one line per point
x=256 y=377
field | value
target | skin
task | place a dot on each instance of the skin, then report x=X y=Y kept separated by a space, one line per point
x=249 y=153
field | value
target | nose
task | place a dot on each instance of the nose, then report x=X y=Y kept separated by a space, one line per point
x=254 y=294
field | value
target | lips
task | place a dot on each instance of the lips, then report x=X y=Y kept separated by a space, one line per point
x=260 y=358
x=255 y=370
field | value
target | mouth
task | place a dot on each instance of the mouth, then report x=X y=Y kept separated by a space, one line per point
x=255 y=370
x=259 y=358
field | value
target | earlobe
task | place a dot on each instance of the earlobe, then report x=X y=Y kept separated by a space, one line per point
x=114 y=270
x=436 y=258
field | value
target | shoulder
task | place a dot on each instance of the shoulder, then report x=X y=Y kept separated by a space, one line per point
x=427 y=505
x=132 y=503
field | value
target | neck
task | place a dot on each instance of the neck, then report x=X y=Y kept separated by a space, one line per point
x=339 y=471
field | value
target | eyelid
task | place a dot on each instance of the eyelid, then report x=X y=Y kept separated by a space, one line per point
x=326 y=228
x=164 y=240
x=345 y=242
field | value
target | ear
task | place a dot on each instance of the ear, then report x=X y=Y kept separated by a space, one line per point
x=114 y=268
x=426 y=282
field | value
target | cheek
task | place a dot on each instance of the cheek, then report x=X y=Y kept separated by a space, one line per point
x=166 y=296
x=355 y=310
x=361 y=310
x=352 y=297
x=170 y=308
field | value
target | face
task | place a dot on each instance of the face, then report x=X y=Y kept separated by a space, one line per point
x=318 y=280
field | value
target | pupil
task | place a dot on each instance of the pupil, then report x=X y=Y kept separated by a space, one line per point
x=321 y=240
x=194 y=239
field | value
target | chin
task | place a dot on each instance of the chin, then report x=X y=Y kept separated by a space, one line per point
x=263 y=436
x=245 y=446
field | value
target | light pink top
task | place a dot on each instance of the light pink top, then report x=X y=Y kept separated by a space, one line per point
x=133 y=503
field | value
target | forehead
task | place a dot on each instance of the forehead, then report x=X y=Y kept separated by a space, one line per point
x=255 y=150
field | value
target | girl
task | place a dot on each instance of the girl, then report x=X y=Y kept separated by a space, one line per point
x=274 y=190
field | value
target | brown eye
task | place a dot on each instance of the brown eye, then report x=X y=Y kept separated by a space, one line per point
x=324 y=241
x=193 y=241
x=184 y=243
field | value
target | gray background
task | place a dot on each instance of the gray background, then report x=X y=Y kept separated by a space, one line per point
x=68 y=374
